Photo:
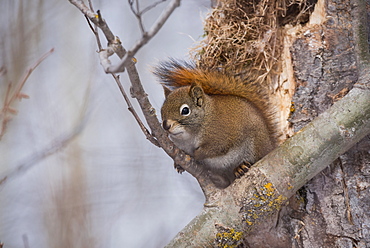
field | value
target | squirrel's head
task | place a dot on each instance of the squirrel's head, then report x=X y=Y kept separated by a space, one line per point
x=183 y=112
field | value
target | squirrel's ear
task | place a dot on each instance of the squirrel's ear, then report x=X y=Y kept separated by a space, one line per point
x=167 y=91
x=197 y=94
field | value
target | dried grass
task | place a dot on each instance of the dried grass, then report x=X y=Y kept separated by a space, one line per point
x=244 y=37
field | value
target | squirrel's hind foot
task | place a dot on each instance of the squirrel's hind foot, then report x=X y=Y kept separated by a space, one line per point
x=242 y=169
x=178 y=168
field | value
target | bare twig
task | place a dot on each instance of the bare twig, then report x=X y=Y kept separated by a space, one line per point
x=132 y=110
x=10 y=98
x=28 y=73
x=146 y=37
x=54 y=146
x=96 y=33
x=139 y=13
x=95 y=18
x=146 y=9
x=95 y=29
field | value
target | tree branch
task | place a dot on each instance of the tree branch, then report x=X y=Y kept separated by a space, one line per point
x=126 y=60
x=133 y=112
x=115 y=46
x=138 y=14
x=94 y=18
x=274 y=179
x=95 y=28
x=9 y=99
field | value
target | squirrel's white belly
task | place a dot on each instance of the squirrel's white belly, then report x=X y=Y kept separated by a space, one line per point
x=185 y=142
x=232 y=159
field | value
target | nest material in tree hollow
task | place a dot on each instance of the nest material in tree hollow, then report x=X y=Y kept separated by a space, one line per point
x=245 y=36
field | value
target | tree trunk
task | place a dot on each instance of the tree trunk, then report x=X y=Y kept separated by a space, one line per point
x=333 y=209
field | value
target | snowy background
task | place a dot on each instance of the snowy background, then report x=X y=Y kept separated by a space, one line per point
x=109 y=186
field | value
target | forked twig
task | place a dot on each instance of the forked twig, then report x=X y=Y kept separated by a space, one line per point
x=125 y=61
x=10 y=98
x=148 y=135
x=139 y=13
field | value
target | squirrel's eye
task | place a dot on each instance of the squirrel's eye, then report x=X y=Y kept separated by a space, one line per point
x=185 y=110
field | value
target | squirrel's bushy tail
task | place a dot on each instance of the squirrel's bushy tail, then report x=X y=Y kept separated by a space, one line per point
x=174 y=74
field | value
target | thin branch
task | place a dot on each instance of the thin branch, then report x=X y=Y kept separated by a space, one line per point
x=140 y=19
x=95 y=18
x=139 y=14
x=96 y=33
x=3 y=113
x=125 y=61
x=54 y=146
x=9 y=99
x=132 y=110
x=29 y=72
x=146 y=9
x=104 y=55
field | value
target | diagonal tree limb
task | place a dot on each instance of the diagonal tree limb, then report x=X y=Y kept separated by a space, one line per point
x=273 y=180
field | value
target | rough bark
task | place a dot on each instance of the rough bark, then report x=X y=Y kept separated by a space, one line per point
x=333 y=209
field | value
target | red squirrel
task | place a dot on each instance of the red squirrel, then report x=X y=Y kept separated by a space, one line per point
x=223 y=122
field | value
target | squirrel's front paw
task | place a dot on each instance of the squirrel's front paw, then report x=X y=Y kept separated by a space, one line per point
x=242 y=169
x=178 y=168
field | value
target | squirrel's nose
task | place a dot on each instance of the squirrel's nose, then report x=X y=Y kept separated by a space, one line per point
x=166 y=125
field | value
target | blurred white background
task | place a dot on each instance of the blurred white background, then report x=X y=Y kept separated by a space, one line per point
x=108 y=186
